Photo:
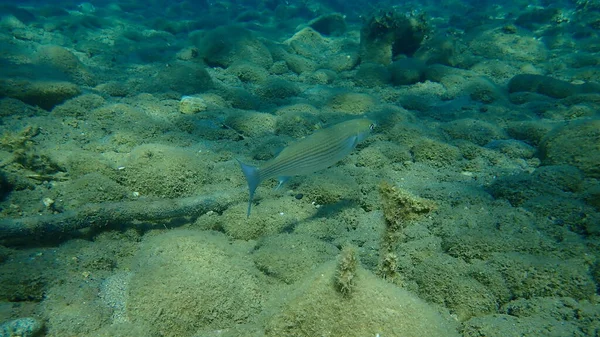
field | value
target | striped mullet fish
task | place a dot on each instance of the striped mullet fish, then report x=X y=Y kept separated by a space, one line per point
x=316 y=152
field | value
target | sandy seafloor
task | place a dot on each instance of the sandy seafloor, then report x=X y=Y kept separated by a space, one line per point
x=487 y=118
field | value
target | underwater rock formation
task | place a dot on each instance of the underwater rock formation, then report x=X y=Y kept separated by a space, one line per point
x=387 y=34
x=399 y=209
x=376 y=307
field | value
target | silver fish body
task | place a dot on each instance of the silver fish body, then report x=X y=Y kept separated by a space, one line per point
x=313 y=153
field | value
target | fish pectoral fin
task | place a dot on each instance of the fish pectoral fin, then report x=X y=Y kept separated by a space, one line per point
x=282 y=180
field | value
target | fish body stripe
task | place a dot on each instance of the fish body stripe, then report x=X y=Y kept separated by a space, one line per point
x=311 y=160
x=313 y=153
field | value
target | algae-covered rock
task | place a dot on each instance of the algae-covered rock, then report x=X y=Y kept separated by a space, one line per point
x=381 y=154
x=45 y=94
x=540 y=316
x=297 y=120
x=184 y=281
x=64 y=61
x=163 y=171
x=114 y=88
x=252 y=124
x=278 y=90
x=389 y=33
x=371 y=75
x=79 y=106
x=407 y=71
x=520 y=188
x=538 y=16
x=345 y=273
x=315 y=308
x=192 y=104
x=351 y=103
x=12 y=107
x=274 y=257
x=298 y=63
x=576 y=144
x=445 y=280
x=475 y=131
x=531 y=132
x=90 y=188
x=248 y=72
x=552 y=87
x=225 y=45
x=329 y=24
x=275 y=214
x=540 y=84
x=330 y=187
x=496 y=44
x=240 y=98
x=530 y=276
x=435 y=153
x=309 y=43
x=25 y=278
x=22 y=327
x=322 y=76
x=186 y=78
x=512 y=148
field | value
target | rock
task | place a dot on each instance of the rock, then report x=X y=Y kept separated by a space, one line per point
x=184 y=281
x=248 y=72
x=315 y=308
x=192 y=104
x=274 y=258
x=351 y=103
x=186 y=78
x=371 y=75
x=512 y=148
x=252 y=124
x=549 y=86
x=330 y=24
x=537 y=17
x=11 y=106
x=592 y=197
x=475 y=131
x=223 y=46
x=64 y=61
x=407 y=71
x=114 y=88
x=45 y=94
x=20 y=14
x=574 y=144
x=22 y=327
x=388 y=34
x=520 y=188
x=299 y=64
x=435 y=153
x=497 y=45
x=540 y=84
x=277 y=90
x=309 y=43
x=79 y=106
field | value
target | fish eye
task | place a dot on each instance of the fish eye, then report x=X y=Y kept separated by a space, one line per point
x=372 y=126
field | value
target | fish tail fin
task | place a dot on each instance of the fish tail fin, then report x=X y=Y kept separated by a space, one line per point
x=253 y=179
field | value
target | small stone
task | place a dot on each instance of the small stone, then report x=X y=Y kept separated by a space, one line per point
x=48 y=202
x=190 y=105
x=299 y=196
